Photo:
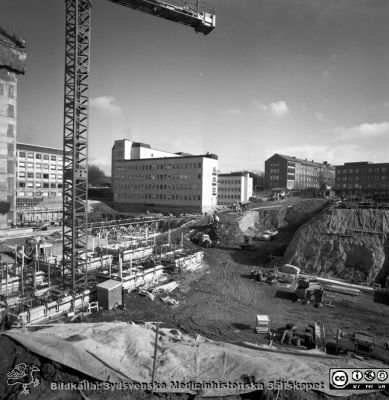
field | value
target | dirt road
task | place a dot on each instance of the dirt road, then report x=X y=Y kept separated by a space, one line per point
x=221 y=302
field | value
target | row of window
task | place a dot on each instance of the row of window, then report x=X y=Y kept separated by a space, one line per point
x=224 y=189
x=160 y=166
x=359 y=186
x=155 y=187
x=363 y=178
x=229 y=196
x=363 y=170
x=159 y=196
x=39 y=185
x=229 y=182
x=38 y=194
x=161 y=177
x=38 y=175
x=40 y=166
x=40 y=156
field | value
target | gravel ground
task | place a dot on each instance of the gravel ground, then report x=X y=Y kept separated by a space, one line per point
x=219 y=302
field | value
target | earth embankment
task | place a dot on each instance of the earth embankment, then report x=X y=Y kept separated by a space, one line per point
x=288 y=216
x=343 y=243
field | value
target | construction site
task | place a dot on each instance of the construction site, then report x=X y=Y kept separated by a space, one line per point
x=256 y=301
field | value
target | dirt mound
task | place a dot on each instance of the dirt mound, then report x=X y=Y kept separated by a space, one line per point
x=256 y=221
x=347 y=244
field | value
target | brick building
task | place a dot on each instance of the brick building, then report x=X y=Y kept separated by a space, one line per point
x=293 y=173
x=362 y=177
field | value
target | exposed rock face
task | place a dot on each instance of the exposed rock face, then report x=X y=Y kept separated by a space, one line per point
x=349 y=244
x=259 y=220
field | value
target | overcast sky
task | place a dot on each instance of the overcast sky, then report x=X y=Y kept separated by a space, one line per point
x=306 y=78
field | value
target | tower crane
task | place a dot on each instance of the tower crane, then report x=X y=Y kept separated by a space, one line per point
x=75 y=145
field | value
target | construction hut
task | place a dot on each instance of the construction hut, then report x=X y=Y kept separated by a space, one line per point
x=109 y=294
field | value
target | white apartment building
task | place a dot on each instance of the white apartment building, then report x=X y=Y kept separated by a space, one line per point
x=12 y=63
x=234 y=188
x=39 y=180
x=148 y=179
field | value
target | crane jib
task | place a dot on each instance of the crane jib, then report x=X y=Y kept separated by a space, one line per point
x=202 y=21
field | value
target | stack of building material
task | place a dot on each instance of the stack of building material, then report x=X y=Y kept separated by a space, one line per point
x=146 y=293
x=192 y=267
x=167 y=288
x=170 y=301
x=342 y=289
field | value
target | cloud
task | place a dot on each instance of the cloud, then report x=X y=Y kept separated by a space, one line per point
x=105 y=104
x=364 y=130
x=277 y=109
x=319 y=116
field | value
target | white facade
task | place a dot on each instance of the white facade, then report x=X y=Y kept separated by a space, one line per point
x=39 y=171
x=147 y=179
x=234 y=188
x=39 y=182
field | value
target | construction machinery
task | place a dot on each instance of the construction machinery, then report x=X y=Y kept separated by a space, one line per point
x=247 y=243
x=288 y=273
x=306 y=290
x=360 y=345
x=203 y=239
x=269 y=234
x=76 y=100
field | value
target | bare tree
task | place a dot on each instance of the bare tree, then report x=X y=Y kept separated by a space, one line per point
x=323 y=178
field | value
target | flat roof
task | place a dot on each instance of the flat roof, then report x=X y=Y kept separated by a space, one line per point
x=361 y=163
x=109 y=284
x=213 y=156
x=234 y=174
x=34 y=147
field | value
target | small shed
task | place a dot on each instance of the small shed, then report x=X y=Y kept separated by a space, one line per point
x=109 y=294
x=263 y=324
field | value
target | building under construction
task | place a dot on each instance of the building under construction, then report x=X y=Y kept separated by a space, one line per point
x=12 y=62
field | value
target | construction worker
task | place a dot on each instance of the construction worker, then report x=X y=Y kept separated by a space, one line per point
x=259 y=276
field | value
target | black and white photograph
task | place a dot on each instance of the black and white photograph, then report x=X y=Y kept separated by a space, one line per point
x=194 y=199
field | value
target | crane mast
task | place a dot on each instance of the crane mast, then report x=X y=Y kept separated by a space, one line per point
x=75 y=144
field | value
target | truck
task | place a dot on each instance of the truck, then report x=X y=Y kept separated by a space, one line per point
x=203 y=239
